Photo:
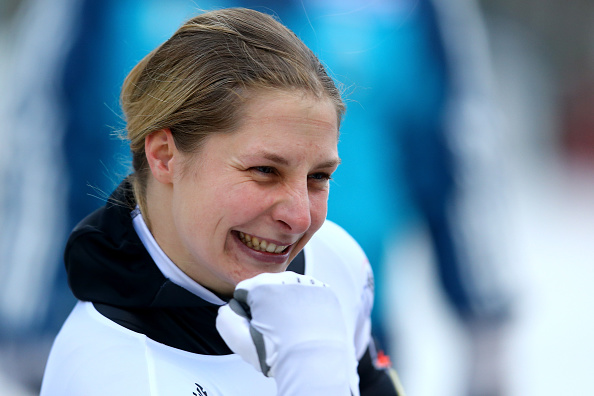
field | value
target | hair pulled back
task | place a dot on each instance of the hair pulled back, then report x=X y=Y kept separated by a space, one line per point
x=197 y=81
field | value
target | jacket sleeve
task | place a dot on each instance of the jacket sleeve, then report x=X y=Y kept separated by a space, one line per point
x=377 y=378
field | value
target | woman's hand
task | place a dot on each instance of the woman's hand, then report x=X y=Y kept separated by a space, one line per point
x=290 y=327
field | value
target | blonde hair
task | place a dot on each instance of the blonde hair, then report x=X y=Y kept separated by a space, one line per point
x=196 y=82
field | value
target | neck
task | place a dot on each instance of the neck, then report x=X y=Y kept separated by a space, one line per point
x=157 y=212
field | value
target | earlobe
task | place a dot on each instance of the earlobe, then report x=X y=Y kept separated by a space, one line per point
x=160 y=150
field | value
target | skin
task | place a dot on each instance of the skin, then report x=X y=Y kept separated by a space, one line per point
x=268 y=179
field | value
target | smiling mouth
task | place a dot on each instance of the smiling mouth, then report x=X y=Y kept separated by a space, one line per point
x=261 y=245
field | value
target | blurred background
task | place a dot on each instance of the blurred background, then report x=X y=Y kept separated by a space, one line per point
x=467 y=175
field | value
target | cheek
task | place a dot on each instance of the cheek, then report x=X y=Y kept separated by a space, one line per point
x=319 y=209
x=250 y=200
x=191 y=220
x=193 y=211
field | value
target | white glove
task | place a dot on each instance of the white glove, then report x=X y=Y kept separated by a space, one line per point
x=290 y=327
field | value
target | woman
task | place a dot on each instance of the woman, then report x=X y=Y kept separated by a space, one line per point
x=233 y=126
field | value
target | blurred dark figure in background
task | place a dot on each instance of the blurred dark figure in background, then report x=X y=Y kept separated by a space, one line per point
x=418 y=144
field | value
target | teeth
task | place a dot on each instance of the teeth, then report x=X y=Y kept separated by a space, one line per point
x=261 y=245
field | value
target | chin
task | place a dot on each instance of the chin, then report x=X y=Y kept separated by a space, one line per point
x=247 y=274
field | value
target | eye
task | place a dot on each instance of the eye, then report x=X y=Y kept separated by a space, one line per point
x=320 y=176
x=266 y=170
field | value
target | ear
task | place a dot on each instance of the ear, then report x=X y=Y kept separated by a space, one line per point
x=160 y=151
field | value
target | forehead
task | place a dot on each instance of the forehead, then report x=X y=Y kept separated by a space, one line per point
x=288 y=128
x=281 y=107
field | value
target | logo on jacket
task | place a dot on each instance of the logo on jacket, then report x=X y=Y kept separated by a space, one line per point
x=199 y=391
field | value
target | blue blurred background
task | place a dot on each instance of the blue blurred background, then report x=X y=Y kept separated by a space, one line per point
x=467 y=175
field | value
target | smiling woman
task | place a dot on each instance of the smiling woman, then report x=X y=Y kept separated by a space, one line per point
x=214 y=257
x=269 y=179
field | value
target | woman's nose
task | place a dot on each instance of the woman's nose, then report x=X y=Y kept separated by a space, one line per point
x=293 y=208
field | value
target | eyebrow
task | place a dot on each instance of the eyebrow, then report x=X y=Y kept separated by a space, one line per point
x=283 y=161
